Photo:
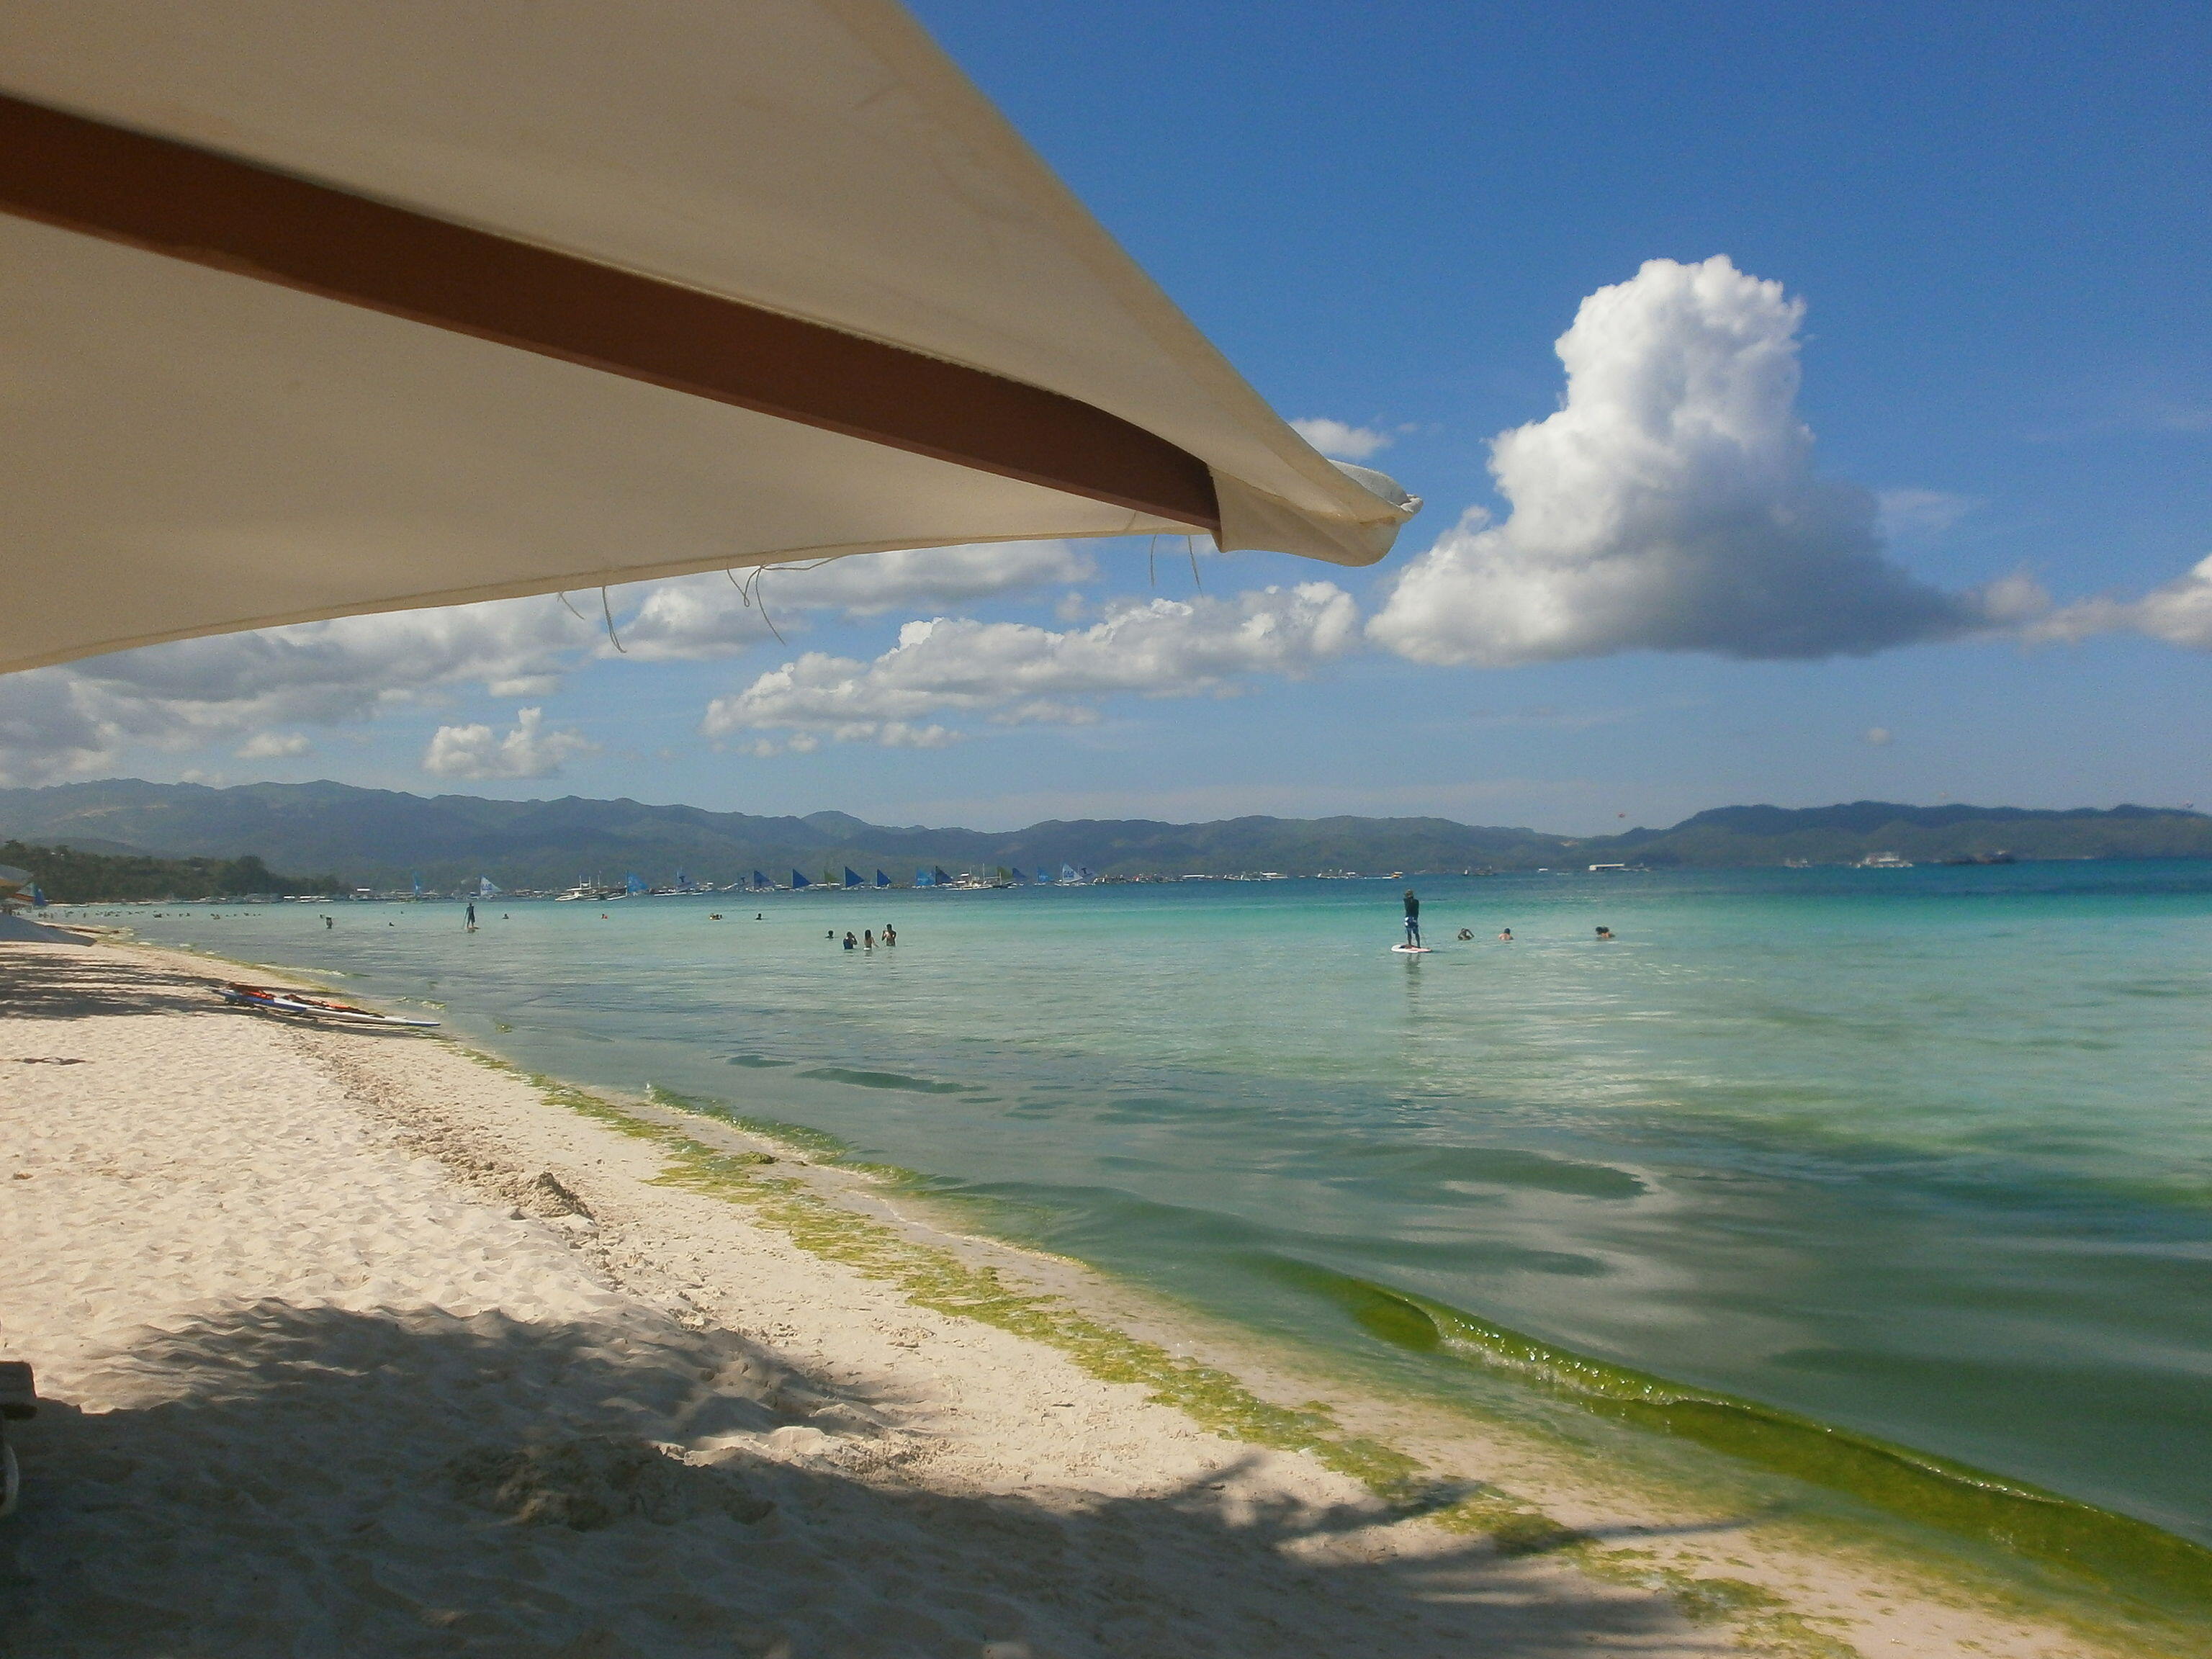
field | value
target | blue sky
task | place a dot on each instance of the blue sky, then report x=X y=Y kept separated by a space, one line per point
x=1995 y=217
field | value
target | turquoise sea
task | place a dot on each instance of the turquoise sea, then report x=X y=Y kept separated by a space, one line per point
x=1924 y=1154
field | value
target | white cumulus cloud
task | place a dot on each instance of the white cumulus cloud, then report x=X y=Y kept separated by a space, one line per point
x=67 y=721
x=709 y=616
x=57 y=723
x=1340 y=439
x=528 y=750
x=2179 y=613
x=1013 y=672
x=1670 y=504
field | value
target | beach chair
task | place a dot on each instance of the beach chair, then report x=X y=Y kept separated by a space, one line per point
x=19 y=1399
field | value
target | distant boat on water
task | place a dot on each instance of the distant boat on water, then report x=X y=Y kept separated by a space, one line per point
x=1884 y=861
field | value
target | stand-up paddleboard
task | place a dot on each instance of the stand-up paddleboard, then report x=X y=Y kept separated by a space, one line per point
x=274 y=999
x=1409 y=950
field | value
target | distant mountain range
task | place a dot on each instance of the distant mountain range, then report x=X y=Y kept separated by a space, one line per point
x=381 y=838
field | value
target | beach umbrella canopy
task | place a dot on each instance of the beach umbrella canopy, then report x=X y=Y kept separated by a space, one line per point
x=313 y=309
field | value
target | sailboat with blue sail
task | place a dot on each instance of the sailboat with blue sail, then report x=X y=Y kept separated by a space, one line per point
x=799 y=881
x=761 y=883
x=853 y=880
x=882 y=880
x=923 y=878
x=485 y=889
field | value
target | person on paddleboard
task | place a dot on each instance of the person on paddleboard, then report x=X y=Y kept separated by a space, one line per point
x=1413 y=919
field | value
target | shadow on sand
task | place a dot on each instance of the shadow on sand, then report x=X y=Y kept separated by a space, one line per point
x=53 y=982
x=301 y=1481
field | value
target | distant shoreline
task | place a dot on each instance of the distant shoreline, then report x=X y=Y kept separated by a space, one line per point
x=386 y=839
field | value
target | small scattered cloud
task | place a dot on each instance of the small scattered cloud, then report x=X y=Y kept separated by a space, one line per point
x=1880 y=737
x=273 y=745
x=1907 y=513
x=1015 y=673
x=1341 y=441
x=1670 y=505
x=527 y=751
x=1545 y=714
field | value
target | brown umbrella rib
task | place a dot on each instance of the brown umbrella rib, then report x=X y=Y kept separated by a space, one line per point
x=211 y=209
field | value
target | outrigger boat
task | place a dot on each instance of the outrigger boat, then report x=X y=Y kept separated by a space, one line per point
x=275 y=1000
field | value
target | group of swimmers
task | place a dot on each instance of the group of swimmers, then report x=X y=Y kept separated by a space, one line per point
x=1414 y=927
x=867 y=939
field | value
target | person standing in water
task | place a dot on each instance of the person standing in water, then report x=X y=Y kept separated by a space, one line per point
x=891 y=934
x=473 y=916
x=1413 y=919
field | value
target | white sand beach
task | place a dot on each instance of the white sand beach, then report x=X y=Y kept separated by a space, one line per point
x=352 y=1343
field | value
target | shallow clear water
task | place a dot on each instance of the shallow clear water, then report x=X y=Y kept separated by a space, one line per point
x=1927 y=1153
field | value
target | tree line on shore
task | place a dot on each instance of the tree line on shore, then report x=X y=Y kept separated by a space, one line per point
x=68 y=876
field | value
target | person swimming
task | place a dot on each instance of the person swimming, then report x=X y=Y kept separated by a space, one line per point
x=1605 y=935
x=1466 y=933
x=1507 y=935
x=851 y=943
x=1413 y=919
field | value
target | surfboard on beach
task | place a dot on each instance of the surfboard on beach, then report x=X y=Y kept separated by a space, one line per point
x=275 y=1000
